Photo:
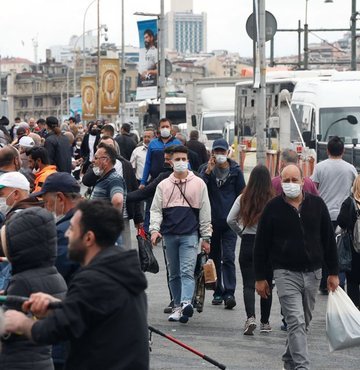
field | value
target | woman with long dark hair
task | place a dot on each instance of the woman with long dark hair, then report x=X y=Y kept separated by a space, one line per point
x=347 y=220
x=243 y=219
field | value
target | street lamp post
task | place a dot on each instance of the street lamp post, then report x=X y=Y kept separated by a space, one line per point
x=353 y=34
x=98 y=60
x=123 y=70
x=162 y=62
x=84 y=54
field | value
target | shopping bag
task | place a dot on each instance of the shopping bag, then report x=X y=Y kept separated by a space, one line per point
x=210 y=275
x=343 y=243
x=199 y=292
x=342 y=321
x=147 y=259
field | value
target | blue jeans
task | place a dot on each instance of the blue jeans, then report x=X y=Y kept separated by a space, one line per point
x=181 y=253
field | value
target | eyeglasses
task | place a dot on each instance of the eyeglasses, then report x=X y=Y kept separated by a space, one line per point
x=96 y=158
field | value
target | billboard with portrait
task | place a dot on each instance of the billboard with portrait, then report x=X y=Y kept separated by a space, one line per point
x=88 y=95
x=148 y=60
x=109 y=86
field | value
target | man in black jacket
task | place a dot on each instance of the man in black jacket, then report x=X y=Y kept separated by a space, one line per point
x=295 y=236
x=198 y=147
x=104 y=312
x=126 y=143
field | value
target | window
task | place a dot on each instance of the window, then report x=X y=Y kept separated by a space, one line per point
x=23 y=103
x=38 y=102
x=56 y=101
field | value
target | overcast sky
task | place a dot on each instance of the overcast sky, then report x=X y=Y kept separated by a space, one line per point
x=53 y=22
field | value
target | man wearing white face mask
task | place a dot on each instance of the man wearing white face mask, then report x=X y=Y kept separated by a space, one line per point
x=14 y=194
x=155 y=153
x=295 y=237
x=225 y=182
x=179 y=212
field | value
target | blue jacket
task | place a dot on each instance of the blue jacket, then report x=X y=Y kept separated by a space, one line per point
x=155 y=158
x=223 y=197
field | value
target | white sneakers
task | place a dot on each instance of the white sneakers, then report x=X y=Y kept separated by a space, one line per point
x=182 y=313
x=175 y=315
x=250 y=326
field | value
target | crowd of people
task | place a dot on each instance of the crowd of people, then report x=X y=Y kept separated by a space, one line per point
x=71 y=250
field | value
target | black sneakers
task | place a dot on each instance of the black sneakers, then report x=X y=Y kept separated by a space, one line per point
x=230 y=302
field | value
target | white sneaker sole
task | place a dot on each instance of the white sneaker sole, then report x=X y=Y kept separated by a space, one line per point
x=250 y=329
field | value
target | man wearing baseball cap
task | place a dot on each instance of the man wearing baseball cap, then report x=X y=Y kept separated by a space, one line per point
x=225 y=182
x=14 y=197
x=14 y=194
x=61 y=193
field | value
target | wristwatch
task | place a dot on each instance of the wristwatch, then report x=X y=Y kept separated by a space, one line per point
x=207 y=240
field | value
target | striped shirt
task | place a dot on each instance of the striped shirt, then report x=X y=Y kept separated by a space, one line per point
x=109 y=185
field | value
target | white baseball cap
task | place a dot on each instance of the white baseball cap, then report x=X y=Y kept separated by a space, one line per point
x=26 y=142
x=14 y=180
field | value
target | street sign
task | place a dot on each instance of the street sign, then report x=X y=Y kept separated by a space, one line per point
x=270 y=26
x=168 y=68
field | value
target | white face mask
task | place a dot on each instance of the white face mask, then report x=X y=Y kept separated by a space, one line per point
x=291 y=189
x=57 y=218
x=180 y=166
x=98 y=171
x=165 y=132
x=3 y=206
x=220 y=158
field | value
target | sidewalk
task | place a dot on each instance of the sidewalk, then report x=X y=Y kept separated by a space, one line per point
x=217 y=333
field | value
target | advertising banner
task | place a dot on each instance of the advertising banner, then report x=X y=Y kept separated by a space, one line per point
x=88 y=94
x=148 y=60
x=109 y=86
x=76 y=108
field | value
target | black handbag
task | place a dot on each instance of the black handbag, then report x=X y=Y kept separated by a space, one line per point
x=147 y=259
x=343 y=243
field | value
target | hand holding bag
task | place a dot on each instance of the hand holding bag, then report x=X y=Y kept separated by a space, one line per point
x=343 y=243
x=342 y=321
x=147 y=259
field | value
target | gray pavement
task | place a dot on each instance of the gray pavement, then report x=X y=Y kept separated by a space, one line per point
x=217 y=333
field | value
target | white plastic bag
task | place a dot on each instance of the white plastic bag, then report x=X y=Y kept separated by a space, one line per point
x=342 y=321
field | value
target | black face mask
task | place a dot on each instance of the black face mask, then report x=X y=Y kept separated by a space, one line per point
x=94 y=131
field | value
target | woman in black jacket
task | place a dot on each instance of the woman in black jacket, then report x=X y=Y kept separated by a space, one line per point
x=29 y=242
x=57 y=146
x=89 y=145
x=346 y=220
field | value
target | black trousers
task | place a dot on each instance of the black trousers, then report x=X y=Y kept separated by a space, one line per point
x=248 y=276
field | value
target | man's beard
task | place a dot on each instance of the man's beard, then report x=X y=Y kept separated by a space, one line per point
x=147 y=45
x=77 y=252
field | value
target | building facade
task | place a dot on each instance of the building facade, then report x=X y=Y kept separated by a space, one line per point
x=186 y=32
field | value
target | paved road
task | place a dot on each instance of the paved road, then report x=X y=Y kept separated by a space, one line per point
x=218 y=333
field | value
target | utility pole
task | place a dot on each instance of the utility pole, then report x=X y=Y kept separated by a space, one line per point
x=261 y=91
x=123 y=70
x=353 y=34
x=306 y=39
x=98 y=62
x=162 y=62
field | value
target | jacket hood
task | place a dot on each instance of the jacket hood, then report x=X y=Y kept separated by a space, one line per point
x=24 y=204
x=123 y=267
x=188 y=178
x=47 y=168
x=31 y=239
